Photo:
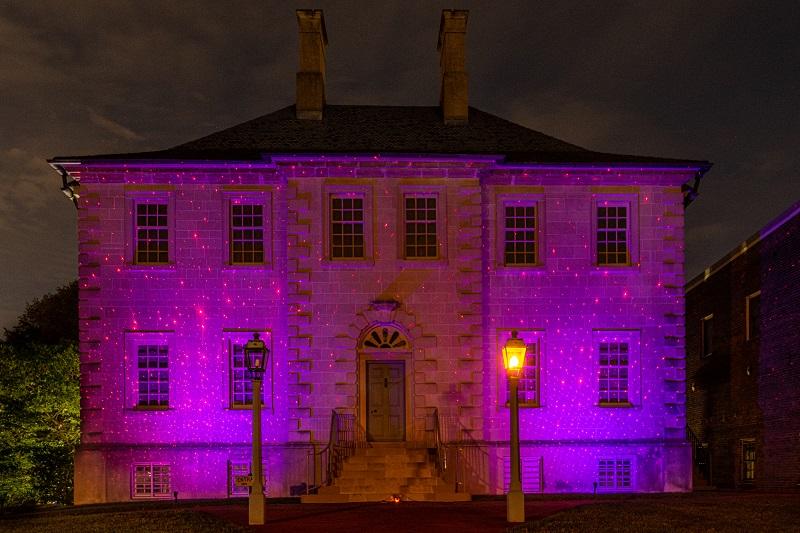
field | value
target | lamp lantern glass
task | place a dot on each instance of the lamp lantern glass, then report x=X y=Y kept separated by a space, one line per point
x=514 y=355
x=256 y=354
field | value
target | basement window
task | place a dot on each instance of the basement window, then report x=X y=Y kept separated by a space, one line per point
x=151 y=480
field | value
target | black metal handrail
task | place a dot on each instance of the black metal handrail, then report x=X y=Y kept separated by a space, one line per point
x=345 y=437
x=438 y=445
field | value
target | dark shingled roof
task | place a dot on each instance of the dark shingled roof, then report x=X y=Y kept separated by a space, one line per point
x=382 y=129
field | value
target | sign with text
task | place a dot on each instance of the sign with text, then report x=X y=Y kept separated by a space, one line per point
x=244 y=480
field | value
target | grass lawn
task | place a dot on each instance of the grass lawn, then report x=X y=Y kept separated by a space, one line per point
x=704 y=511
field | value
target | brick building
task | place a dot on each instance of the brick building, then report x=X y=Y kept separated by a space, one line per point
x=385 y=254
x=742 y=338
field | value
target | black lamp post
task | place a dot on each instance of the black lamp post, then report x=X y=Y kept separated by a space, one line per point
x=256 y=355
x=513 y=357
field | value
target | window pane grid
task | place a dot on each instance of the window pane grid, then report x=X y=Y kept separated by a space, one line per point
x=520 y=235
x=151 y=480
x=347 y=227
x=153 y=370
x=238 y=469
x=528 y=386
x=614 y=474
x=421 y=239
x=247 y=234
x=152 y=234
x=612 y=235
x=614 y=372
x=241 y=379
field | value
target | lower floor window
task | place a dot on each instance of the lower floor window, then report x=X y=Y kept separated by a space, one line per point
x=151 y=480
x=614 y=475
x=237 y=469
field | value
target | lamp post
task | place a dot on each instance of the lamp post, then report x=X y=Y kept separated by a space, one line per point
x=513 y=357
x=255 y=359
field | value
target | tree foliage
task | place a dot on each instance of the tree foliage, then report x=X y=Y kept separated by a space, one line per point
x=40 y=402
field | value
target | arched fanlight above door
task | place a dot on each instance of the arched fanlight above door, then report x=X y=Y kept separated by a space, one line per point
x=384 y=337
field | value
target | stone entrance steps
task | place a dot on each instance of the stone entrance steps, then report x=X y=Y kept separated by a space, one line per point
x=384 y=471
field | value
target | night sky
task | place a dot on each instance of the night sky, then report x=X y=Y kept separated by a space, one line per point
x=708 y=80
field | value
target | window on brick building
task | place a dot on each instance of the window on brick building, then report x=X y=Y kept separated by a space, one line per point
x=748 y=460
x=613 y=366
x=753 y=316
x=152 y=362
x=613 y=233
x=420 y=222
x=520 y=246
x=347 y=239
x=247 y=234
x=241 y=379
x=707 y=335
x=614 y=475
x=151 y=480
x=151 y=233
x=242 y=468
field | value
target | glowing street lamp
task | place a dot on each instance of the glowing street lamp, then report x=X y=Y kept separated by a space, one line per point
x=256 y=355
x=513 y=358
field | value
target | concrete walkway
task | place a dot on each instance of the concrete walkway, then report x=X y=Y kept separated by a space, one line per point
x=459 y=517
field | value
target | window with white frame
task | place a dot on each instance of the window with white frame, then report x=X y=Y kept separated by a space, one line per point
x=347 y=240
x=152 y=362
x=753 y=316
x=421 y=237
x=246 y=233
x=151 y=233
x=151 y=480
x=242 y=468
x=241 y=379
x=612 y=238
x=614 y=475
x=529 y=385
x=520 y=227
x=617 y=365
x=613 y=366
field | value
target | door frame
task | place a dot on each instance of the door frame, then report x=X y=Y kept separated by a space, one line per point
x=386 y=356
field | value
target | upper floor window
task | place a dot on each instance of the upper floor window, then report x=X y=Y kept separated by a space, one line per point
x=520 y=246
x=247 y=234
x=151 y=480
x=420 y=223
x=613 y=233
x=151 y=233
x=707 y=335
x=753 y=316
x=152 y=361
x=346 y=227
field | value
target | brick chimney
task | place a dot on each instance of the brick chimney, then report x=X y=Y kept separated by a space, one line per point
x=452 y=59
x=311 y=73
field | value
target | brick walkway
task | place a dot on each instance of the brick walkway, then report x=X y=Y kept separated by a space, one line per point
x=467 y=517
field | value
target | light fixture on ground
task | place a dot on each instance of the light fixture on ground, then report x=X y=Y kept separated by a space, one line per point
x=255 y=359
x=513 y=357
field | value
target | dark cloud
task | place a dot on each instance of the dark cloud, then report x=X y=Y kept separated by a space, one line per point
x=706 y=80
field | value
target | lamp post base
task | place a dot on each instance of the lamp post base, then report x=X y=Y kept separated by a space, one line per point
x=515 y=506
x=256 y=510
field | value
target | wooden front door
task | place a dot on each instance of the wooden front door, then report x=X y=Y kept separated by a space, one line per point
x=386 y=401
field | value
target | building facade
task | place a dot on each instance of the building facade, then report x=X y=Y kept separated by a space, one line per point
x=385 y=254
x=742 y=337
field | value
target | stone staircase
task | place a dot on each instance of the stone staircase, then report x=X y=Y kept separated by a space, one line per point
x=385 y=471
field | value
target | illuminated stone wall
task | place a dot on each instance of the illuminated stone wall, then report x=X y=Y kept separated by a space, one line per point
x=455 y=311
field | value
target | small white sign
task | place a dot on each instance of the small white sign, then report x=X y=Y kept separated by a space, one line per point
x=244 y=480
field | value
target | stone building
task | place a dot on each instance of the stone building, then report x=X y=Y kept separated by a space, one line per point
x=742 y=338
x=385 y=254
